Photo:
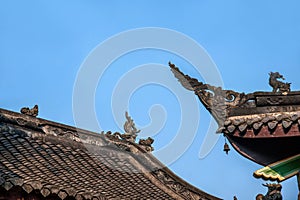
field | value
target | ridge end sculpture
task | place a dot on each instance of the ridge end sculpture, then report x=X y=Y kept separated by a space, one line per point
x=278 y=86
x=274 y=192
x=30 y=111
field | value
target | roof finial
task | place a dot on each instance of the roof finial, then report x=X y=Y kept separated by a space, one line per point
x=277 y=85
x=130 y=130
x=31 y=112
x=274 y=192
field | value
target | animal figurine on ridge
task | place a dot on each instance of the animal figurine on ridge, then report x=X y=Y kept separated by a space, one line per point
x=278 y=86
x=274 y=192
x=30 y=111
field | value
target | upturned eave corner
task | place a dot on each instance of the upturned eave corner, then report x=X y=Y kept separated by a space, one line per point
x=256 y=124
x=216 y=100
x=227 y=104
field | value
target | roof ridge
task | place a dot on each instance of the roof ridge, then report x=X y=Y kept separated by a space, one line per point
x=52 y=133
x=71 y=133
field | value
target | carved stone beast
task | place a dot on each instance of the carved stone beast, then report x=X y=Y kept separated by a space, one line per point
x=277 y=85
x=274 y=192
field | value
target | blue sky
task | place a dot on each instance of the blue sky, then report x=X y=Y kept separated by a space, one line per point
x=45 y=43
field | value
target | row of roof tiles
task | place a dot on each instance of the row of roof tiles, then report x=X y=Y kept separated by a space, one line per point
x=37 y=154
x=256 y=122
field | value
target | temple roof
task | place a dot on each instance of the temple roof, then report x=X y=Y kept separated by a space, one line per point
x=263 y=126
x=240 y=113
x=56 y=159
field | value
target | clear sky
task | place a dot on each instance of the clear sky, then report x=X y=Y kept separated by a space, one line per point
x=44 y=45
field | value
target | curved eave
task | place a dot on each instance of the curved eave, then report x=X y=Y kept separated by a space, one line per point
x=265 y=150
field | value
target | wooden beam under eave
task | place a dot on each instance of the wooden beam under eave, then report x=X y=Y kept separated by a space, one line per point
x=298 y=179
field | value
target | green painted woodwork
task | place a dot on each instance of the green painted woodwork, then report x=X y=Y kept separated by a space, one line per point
x=280 y=170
